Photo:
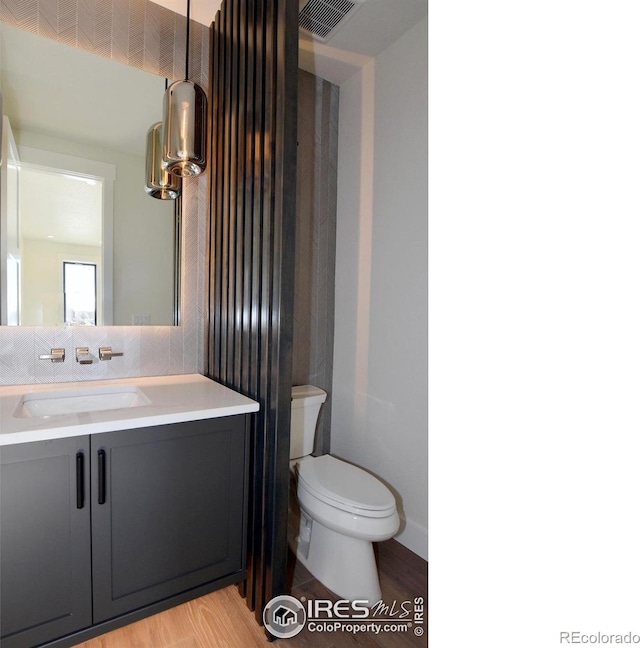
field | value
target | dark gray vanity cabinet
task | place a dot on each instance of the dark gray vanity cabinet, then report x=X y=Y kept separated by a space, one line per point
x=45 y=541
x=98 y=528
x=168 y=511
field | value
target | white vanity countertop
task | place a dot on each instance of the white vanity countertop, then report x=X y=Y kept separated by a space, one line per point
x=173 y=399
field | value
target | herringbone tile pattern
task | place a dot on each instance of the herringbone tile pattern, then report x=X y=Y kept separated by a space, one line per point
x=135 y=32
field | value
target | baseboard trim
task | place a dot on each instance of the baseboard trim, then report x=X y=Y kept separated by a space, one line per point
x=414 y=537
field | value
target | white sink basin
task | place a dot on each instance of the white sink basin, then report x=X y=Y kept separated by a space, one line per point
x=79 y=401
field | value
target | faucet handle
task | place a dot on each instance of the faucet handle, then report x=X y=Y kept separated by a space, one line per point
x=105 y=353
x=56 y=355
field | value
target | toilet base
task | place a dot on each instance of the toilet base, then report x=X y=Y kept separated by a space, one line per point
x=346 y=565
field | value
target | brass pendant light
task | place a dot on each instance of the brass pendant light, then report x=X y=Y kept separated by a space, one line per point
x=159 y=182
x=184 y=124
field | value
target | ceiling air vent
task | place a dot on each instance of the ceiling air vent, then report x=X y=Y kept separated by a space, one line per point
x=322 y=18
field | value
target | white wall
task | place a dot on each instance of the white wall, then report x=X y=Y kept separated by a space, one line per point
x=379 y=418
x=142 y=233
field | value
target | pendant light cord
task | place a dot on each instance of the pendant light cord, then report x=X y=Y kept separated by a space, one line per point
x=186 y=64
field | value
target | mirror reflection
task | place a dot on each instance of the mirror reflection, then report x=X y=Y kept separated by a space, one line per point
x=72 y=193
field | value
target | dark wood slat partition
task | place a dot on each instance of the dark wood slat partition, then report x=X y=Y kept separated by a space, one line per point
x=253 y=181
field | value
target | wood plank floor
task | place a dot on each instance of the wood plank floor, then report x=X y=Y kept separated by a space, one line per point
x=222 y=620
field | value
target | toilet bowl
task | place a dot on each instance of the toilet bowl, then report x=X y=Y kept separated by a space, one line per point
x=342 y=511
x=337 y=510
x=346 y=498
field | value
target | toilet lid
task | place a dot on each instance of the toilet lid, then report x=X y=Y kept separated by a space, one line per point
x=341 y=484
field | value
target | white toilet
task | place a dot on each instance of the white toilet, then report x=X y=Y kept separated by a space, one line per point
x=342 y=509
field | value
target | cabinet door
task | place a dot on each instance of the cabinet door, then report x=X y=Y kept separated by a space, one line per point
x=168 y=511
x=45 y=541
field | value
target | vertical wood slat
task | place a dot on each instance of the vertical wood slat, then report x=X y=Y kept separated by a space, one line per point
x=255 y=25
x=217 y=182
x=254 y=104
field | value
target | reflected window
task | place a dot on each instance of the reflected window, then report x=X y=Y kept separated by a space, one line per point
x=80 y=293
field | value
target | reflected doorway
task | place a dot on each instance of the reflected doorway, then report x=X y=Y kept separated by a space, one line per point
x=62 y=212
x=60 y=218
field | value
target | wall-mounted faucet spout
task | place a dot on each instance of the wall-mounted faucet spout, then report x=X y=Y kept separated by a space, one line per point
x=83 y=356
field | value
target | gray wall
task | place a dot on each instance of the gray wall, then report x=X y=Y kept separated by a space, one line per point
x=316 y=241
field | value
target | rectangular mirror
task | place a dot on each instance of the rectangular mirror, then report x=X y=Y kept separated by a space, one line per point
x=73 y=175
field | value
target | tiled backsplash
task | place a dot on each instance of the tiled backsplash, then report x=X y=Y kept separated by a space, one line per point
x=144 y=35
x=20 y=348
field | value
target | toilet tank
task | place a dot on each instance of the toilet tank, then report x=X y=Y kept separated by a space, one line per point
x=306 y=401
